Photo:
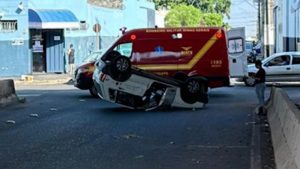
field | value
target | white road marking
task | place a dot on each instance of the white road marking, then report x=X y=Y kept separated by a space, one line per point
x=29 y=95
x=218 y=146
x=255 y=157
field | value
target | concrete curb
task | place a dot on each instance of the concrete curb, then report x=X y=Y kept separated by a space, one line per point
x=41 y=79
x=42 y=82
x=7 y=92
x=284 y=119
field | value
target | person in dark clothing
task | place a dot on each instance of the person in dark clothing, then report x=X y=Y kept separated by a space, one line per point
x=260 y=79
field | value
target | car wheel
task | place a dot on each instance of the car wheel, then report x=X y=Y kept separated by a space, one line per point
x=180 y=76
x=112 y=55
x=191 y=90
x=120 y=68
x=93 y=91
x=249 y=81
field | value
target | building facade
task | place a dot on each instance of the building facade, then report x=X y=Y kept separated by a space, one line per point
x=14 y=38
x=34 y=34
x=287 y=25
x=266 y=29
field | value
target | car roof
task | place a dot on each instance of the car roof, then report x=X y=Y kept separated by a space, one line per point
x=279 y=54
x=287 y=53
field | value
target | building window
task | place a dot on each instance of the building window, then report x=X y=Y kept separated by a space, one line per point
x=8 y=25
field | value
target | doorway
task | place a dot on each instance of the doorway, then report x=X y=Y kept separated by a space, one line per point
x=47 y=50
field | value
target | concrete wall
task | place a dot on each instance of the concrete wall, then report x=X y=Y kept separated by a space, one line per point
x=18 y=60
x=14 y=58
x=134 y=14
x=86 y=45
x=284 y=119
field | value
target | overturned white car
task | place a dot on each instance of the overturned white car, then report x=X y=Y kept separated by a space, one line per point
x=119 y=82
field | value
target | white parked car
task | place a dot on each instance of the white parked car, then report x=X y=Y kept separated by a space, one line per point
x=283 y=66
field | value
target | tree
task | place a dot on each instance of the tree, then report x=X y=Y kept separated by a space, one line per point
x=205 y=6
x=211 y=19
x=182 y=16
x=167 y=3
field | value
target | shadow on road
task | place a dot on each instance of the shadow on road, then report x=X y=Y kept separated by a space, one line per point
x=126 y=111
x=219 y=95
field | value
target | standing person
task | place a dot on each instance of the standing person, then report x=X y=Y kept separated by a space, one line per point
x=71 y=53
x=260 y=78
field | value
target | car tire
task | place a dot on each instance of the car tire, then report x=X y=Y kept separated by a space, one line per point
x=192 y=90
x=93 y=91
x=112 y=55
x=120 y=68
x=181 y=76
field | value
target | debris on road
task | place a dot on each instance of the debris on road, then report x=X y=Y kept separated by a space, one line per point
x=250 y=122
x=195 y=161
x=34 y=115
x=22 y=99
x=53 y=109
x=82 y=100
x=139 y=156
x=129 y=136
x=10 y=122
x=172 y=142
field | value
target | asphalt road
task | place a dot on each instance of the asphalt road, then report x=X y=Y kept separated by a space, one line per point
x=74 y=130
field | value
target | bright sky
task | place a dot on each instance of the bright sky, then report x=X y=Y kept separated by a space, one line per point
x=244 y=14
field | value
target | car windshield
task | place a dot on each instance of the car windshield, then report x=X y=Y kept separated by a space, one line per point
x=94 y=56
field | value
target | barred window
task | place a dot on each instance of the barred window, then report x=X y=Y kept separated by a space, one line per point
x=8 y=25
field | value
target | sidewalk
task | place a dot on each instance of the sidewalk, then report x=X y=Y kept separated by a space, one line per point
x=41 y=79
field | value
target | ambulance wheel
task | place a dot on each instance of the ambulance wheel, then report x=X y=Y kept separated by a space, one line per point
x=191 y=90
x=120 y=68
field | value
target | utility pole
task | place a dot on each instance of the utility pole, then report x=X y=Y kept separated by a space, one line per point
x=267 y=32
x=259 y=20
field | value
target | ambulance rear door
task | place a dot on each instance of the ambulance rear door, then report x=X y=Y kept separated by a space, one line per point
x=237 y=54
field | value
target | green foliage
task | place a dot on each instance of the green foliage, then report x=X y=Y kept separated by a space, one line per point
x=213 y=6
x=211 y=19
x=205 y=6
x=182 y=16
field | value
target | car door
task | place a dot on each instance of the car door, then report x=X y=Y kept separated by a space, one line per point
x=278 y=66
x=296 y=64
x=237 y=54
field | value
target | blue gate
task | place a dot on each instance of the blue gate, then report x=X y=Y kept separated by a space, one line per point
x=54 y=51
